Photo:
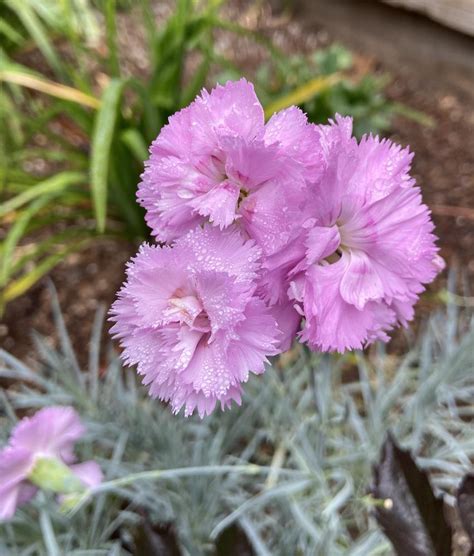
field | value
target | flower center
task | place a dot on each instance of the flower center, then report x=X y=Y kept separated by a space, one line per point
x=339 y=245
x=188 y=310
x=334 y=257
x=214 y=167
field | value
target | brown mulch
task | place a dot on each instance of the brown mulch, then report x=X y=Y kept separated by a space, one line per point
x=83 y=282
x=444 y=167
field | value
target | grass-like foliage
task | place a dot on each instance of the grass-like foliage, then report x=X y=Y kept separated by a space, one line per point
x=78 y=115
x=302 y=444
x=330 y=87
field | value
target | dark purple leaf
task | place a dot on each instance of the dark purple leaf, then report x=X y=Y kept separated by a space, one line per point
x=155 y=540
x=466 y=505
x=233 y=542
x=412 y=517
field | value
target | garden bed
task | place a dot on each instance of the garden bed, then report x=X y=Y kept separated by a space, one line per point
x=341 y=446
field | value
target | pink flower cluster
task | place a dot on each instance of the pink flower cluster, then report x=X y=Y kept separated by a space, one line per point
x=49 y=434
x=267 y=228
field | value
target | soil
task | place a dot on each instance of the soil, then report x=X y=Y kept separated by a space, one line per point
x=444 y=166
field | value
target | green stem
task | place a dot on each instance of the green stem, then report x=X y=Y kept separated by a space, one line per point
x=76 y=502
x=249 y=469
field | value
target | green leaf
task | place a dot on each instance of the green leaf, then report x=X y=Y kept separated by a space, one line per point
x=8 y=31
x=169 y=52
x=124 y=191
x=49 y=537
x=14 y=235
x=23 y=76
x=303 y=93
x=151 y=116
x=35 y=28
x=111 y=32
x=197 y=81
x=47 y=245
x=101 y=148
x=11 y=116
x=56 y=184
x=135 y=142
x=21 y=285
x=412 y=114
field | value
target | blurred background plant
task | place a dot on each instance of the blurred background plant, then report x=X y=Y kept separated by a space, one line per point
x=316 y=422
x=332 y=85
x=78 y=117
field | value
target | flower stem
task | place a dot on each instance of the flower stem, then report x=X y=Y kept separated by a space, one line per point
x=248 y=469
x=180 y=472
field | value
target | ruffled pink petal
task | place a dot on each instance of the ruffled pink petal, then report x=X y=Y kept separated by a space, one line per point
x=290 y=130
x=216 y=290
x=332 y=324
x=175 y=138
x=209 y=372
x=256 y=338
x=15 y=464
x=360 y=282
x=221 y=129
x=219 y=204
x=168 y=183
x=209 y=249
x=404 y=241
x=277 y=270
x=26 y=492
x=252 y=165
x=288 y=320
x=383 y=167
x=193 y=401
x=89 y=472
x=52 y=431
x=272 y=215
x=230 y=109
x=339 y=151
x=8 y=501
x=404 y=310
x=321 y=242
x=151 y=288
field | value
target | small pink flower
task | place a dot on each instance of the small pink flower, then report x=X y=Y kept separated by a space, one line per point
x=189 y=318
x=49 y=433
x=369 y=246
x=216 y=161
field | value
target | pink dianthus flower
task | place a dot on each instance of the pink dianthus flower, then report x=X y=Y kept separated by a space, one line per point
x=49 y=433
x=368 y=242
x=216 y=161
x=189 y=318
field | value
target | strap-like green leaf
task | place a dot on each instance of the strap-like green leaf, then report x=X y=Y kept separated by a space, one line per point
x=51 y=185
x=135 y=142
x=111 y=35
x=14 y=235
x=105 y=121
x=33 y=24
x=17 y=74
x=21 y=285
x=303 y=93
